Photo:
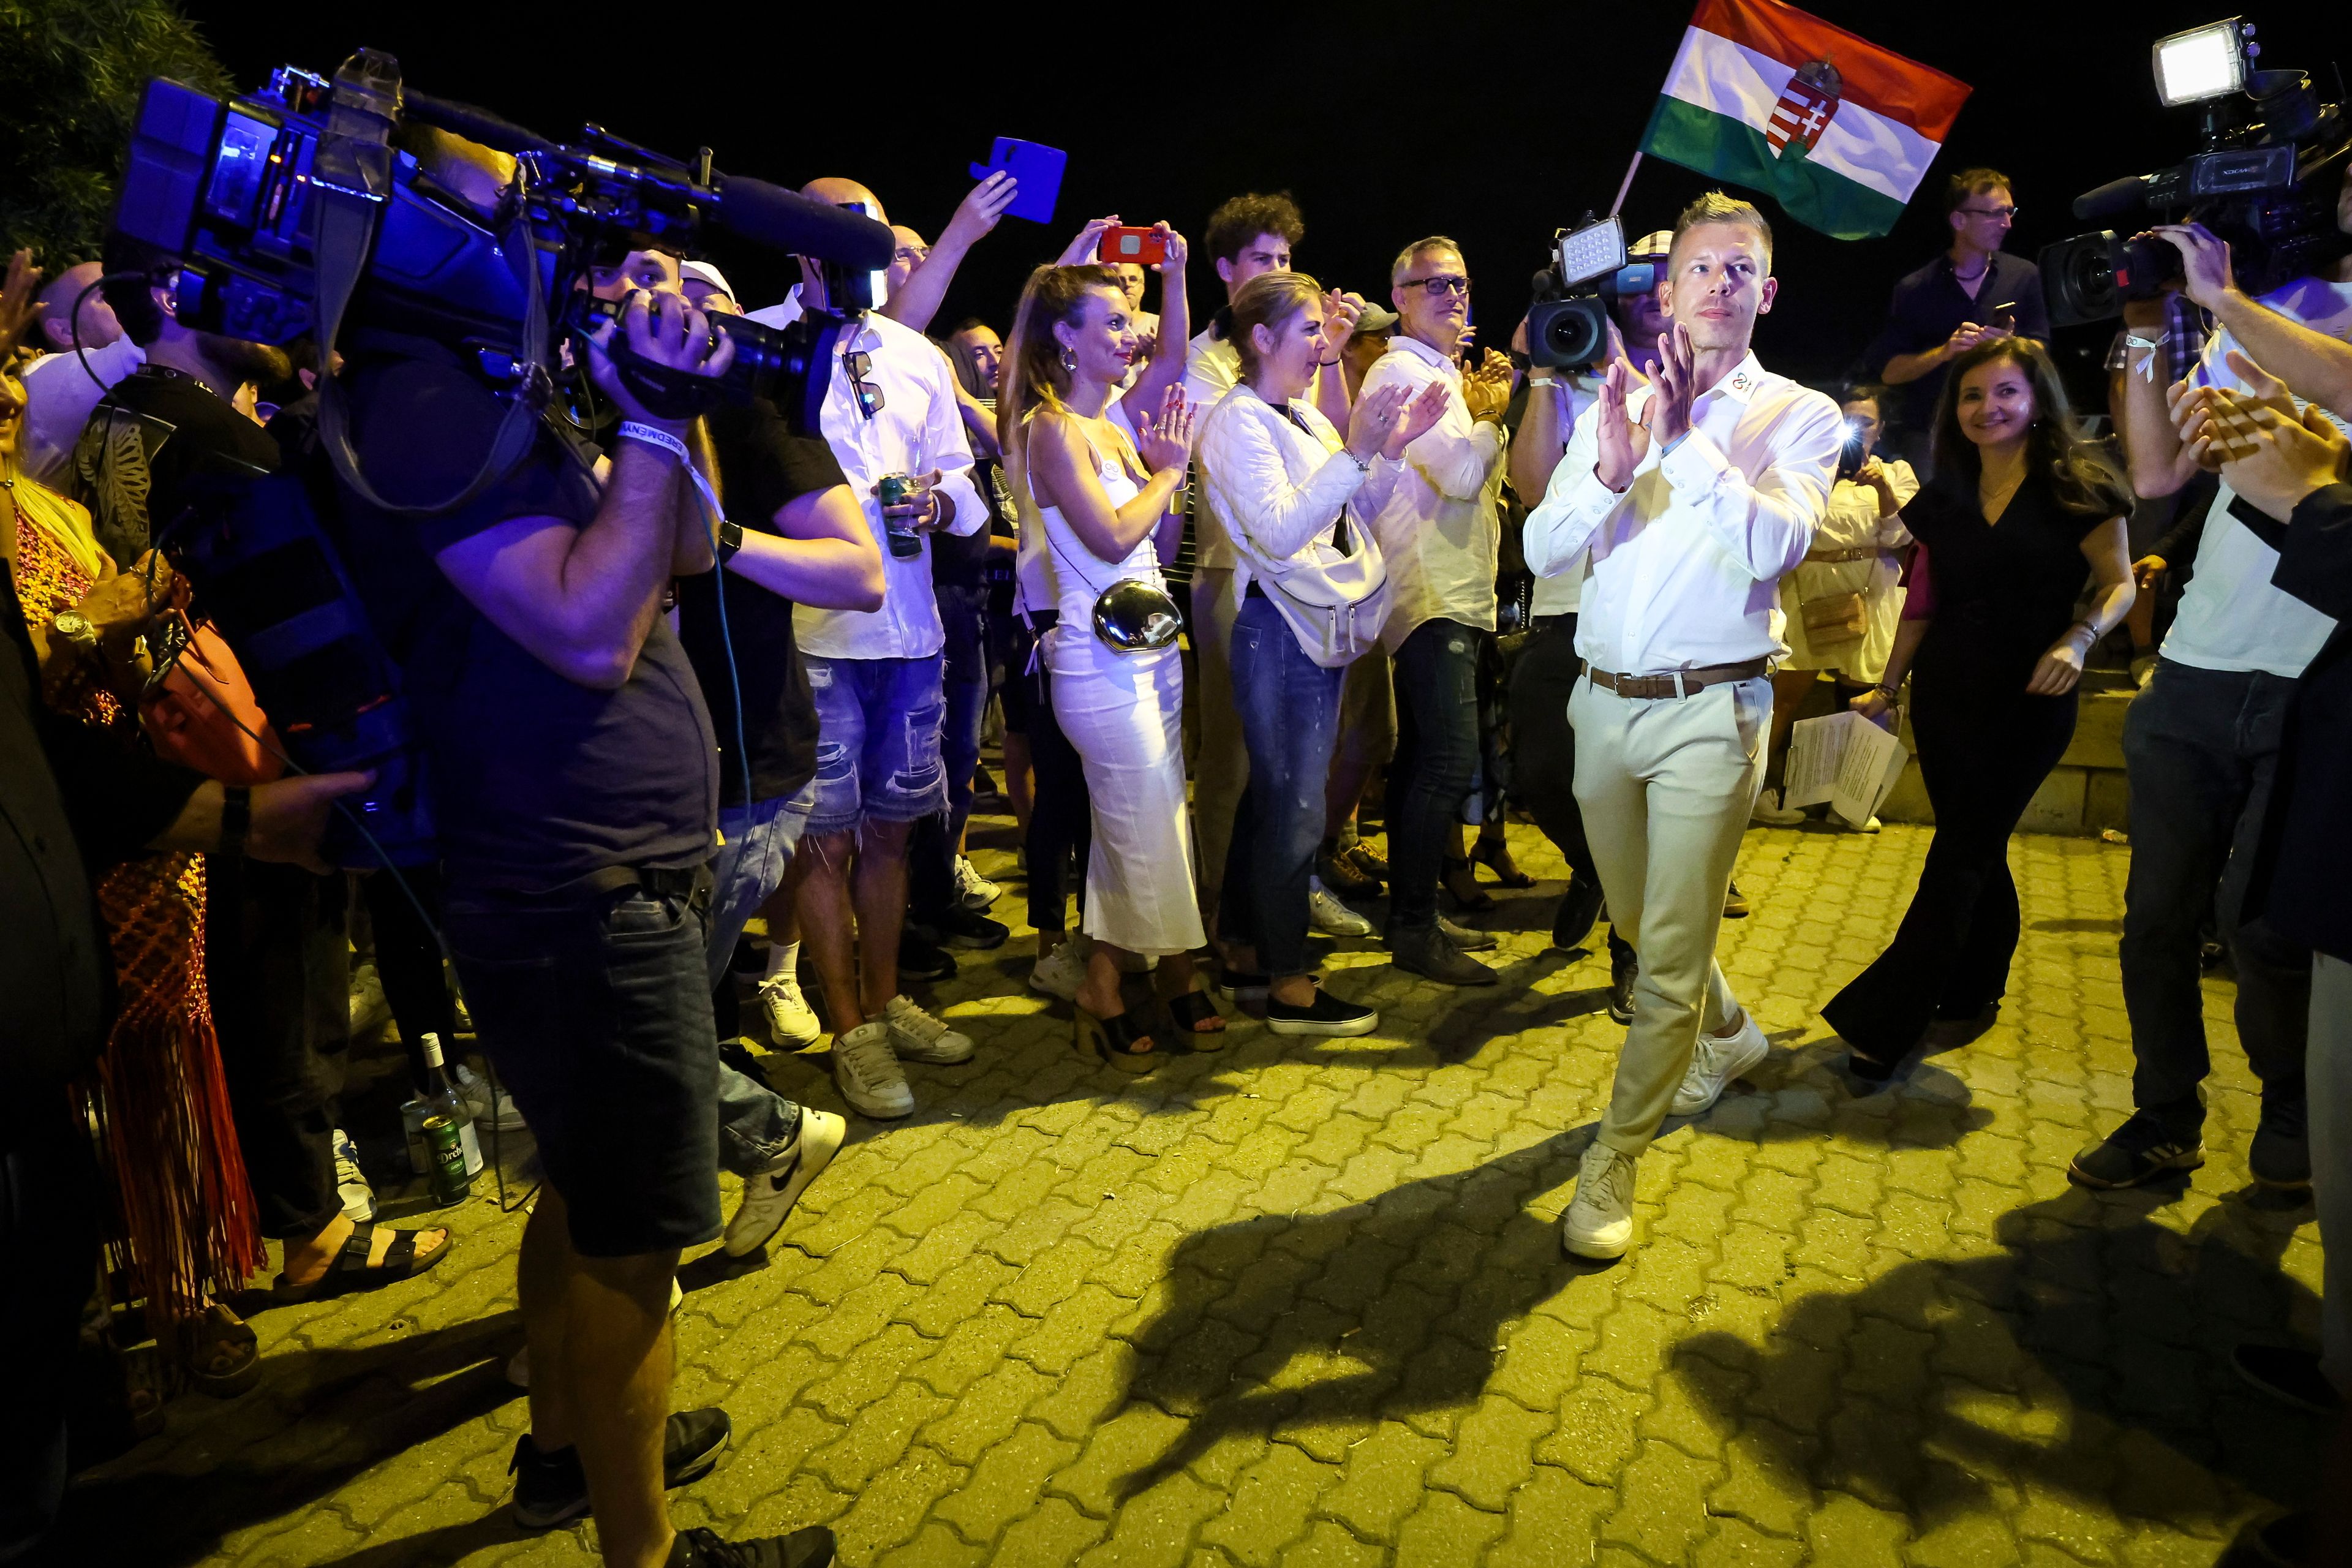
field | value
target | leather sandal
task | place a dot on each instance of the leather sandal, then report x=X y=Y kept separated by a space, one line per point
x=1457 y=875
x=1495 y=856
x=348 y=1271
x=219 y=1352
x=1191 y=1012
x=1119 y=1040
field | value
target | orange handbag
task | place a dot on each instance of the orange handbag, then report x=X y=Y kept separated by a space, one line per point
x=199 y=709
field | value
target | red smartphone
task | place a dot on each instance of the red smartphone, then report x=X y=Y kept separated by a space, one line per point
x=1142 y=246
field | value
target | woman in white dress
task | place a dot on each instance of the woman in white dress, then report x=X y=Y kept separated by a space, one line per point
x=1850 y=579
x=1108 y=512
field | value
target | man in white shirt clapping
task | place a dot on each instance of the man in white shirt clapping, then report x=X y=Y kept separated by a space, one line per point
x=1694 y=495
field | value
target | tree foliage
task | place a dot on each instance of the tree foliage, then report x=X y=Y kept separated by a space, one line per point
x=70 y=75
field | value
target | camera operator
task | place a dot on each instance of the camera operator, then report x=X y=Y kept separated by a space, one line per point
x=2292 y=471
x=1543 y=742
x=1684 y=547
x=575 y=775
x=2201 y=751
x=277 y=960
x=889 y=415
x=1972 y=293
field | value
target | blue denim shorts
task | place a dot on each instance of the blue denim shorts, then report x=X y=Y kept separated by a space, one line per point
x=877 y=750
x=756 y=847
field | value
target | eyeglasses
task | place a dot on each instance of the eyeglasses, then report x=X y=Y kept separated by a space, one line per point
x=860 y=364
x=2007 y=214
x=916 y=254
x=1445 y=283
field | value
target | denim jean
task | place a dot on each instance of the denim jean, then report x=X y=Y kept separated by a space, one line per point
x=877 y=749
x=2200 y=747
x=755 y=1123
x=1436 y=760
x=1290 y=710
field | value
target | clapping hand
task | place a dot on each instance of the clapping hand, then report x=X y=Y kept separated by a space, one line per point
x=1341 y=311
x=979 y=211
x=2273 y=459
x=1622 y=442
x=1165 y=441
x=1486 y=389
x=1390 y=418
x=1675 y=386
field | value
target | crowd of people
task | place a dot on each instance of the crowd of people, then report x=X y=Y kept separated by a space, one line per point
x=1214 y=571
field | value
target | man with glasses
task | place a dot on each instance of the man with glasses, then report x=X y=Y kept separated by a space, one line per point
x=1438 y=516
x=1973 y=293
x=889 y=415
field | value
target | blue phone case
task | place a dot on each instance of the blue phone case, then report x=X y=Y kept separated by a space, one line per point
x=1036 y=168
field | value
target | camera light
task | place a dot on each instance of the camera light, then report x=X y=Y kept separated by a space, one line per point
x=2201 y=63
x=1589 y=252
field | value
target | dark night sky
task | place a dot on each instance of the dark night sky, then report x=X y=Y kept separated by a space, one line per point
x=1493 y=122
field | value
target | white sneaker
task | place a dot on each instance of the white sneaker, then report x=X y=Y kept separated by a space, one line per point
x=1061 y=971
x=1327 y=914
x=490 y=1108
x=867 y=1073
x=974 y=891
x=1767 y=811
x=350 y=1182
x=768 y=1196
x=1719 y=1059
x=1599 y=1221
x=792 y=1022
x=918 y=1036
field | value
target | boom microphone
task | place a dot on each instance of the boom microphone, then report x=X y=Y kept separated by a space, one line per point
x=2113 y=199
x=788 y=221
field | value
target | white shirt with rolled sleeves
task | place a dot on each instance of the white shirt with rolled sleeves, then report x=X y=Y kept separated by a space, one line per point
x=1437 y=513
x=1686 y=563
x=1211 y=368
x=1563 y=591
x=917 y=429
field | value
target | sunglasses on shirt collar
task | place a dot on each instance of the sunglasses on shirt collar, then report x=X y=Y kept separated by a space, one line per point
x=860 y=364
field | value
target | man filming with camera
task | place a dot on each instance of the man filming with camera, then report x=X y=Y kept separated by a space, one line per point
x=576 y=790
x=2202 y=746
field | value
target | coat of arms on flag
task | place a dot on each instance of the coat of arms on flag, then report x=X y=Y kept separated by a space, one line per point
x=1754 y=97
x=1804 y=109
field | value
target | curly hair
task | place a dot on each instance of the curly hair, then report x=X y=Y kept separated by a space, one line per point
x=1241 y=219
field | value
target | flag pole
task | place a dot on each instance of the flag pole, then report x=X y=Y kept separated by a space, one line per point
x=1623 y=189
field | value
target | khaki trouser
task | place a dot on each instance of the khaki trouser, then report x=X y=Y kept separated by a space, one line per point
x=1220 y=771
x=1666 y=787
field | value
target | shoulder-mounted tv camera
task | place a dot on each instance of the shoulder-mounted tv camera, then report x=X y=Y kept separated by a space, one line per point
x=314 y=206
x=1569 y=323
x=2264 y=178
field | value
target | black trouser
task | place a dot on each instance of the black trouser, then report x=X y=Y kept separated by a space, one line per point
x=1984 y=748
x=2200 y=747
x=1061 y=814
x=48 y=1233
x=409 y=960
x=279 y=971
x=1436 y=761
x=1543 y=747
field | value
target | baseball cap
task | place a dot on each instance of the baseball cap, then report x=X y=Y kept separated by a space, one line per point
x=1376 y=319
x=707 y=274
x=1657 y=242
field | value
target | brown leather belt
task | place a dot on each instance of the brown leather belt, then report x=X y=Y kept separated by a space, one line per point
x=1681 y=683
x=1834 y=556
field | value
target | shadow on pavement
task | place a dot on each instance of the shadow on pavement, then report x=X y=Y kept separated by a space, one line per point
x=1929 y=1390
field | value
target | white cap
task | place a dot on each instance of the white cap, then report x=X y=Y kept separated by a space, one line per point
x=709 y=274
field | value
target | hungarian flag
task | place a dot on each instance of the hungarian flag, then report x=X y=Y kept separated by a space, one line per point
x=1838 y=130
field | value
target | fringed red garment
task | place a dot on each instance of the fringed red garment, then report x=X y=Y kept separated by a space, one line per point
x=162 y=1100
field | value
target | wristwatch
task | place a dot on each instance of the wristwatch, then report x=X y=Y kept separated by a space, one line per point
x=75 y=628
x=730 y=539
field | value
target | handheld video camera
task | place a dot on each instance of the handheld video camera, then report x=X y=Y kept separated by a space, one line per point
x=1569 y=324
x=2263 y=178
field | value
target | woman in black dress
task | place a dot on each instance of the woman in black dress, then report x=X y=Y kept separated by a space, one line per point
x=2020 y=510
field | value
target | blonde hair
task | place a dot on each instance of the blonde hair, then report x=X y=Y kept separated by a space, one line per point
x=1268 y=301
x=1715 y=207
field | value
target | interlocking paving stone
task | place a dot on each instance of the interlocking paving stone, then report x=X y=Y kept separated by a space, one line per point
x=1302 y=1302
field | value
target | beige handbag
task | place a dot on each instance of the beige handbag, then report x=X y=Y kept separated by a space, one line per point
x=1836 y=617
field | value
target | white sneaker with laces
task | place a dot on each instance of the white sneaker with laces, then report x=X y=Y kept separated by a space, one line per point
x=350 y=1183
x=974 y=891
x=918 y=1036
x=1768 y=812
x=1599 y=1221
x=1718 y=1059
x=867 y=1073
x=769 y=1194
x=792 y=1022
x=1327 y=914
x=490 y=1108
x=1061 y=971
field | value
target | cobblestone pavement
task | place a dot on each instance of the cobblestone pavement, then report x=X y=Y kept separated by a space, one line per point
x=1305 y=1302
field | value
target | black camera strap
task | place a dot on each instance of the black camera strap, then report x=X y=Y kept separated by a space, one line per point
x=352 y=179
